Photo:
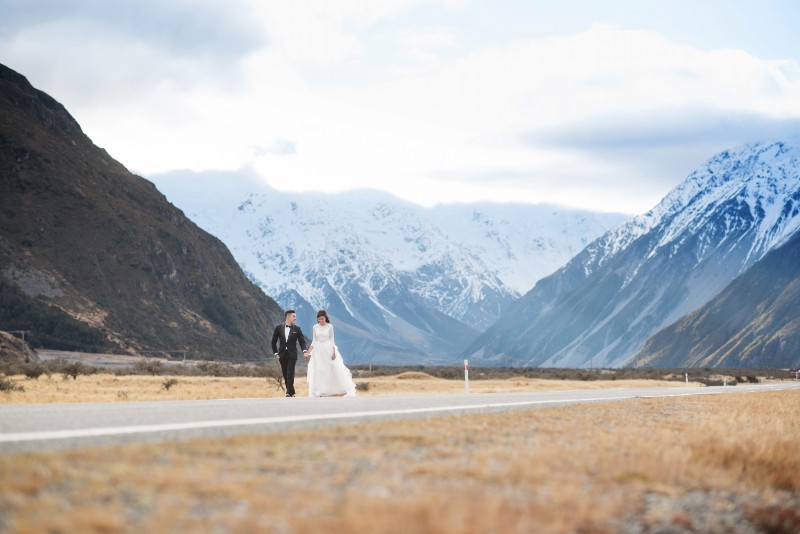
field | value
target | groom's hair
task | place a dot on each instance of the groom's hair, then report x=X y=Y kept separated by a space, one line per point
x=285 y=315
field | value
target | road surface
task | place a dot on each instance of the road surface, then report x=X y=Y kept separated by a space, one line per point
x=41 y=427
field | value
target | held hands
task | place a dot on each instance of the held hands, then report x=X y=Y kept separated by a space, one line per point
x=307 y=354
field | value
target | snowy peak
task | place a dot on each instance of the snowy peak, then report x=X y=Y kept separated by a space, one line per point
x=457 y=258
x=648 y=272
x=405 y=283
x=760 y=181
x=317 y=243
x=757 y=183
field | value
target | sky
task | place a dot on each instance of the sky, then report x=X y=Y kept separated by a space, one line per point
x=590 y=104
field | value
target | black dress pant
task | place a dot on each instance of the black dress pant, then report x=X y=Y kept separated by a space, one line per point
x=287 y=368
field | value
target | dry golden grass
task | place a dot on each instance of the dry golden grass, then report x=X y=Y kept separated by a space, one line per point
x=584 y=468
x=111 y=388
x=418 y=383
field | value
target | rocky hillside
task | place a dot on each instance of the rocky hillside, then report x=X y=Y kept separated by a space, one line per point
x=754 y=322
x=13 y=349
x=93 y=257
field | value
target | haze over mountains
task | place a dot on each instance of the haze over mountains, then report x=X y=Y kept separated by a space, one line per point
x=94 y=258
x=405 y=284
x=603 y=306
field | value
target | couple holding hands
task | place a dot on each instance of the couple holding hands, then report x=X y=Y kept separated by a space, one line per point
x=327 y=374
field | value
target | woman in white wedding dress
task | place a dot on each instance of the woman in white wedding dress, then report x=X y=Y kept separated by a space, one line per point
x=327 y=374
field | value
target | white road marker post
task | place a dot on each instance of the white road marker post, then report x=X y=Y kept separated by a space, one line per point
x=466 y=377
x=687 y=378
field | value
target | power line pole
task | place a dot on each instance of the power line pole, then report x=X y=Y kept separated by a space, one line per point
x=24 y=346
x=23 y=332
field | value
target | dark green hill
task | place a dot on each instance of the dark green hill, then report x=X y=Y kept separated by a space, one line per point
x=753 y=322
x=93 y=257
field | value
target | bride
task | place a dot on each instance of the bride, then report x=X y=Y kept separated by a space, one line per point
x=327 y=374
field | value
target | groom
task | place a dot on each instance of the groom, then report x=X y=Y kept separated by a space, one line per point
x=284 y=345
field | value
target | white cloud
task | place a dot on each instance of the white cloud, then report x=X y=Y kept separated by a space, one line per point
x=109 y=51
x=606 y=118
x=316 y=31
x=279 y=147
x=428 y=38
x=426 y=137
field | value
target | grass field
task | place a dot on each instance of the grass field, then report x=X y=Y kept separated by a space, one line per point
x=112 y=388
x=719 y=463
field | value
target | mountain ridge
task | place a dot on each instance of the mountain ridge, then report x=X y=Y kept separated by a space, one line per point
x=98 y=259
x=644 y=274
x=411 y=278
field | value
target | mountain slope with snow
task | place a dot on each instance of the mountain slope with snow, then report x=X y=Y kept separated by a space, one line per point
x=404 y=284
x=648 y=272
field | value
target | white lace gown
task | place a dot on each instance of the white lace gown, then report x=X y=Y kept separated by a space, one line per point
x=326 y=377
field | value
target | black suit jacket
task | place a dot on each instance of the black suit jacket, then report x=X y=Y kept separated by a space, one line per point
x=287 y=348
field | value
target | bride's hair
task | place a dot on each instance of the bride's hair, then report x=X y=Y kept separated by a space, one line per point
x=323 y=313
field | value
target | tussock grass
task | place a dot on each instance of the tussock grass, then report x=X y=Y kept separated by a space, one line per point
x=111 y=388
x=690 y=464
x=116 y=388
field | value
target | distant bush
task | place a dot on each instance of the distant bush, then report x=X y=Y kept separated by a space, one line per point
x=33 y=370
x=270 y=370
x=448 y=373
x=456 y=372
x=273 y=375
x=168 y=383
x=68 y=368
x=203 y=368
x=710 y=382
x=74 y=369
x=413 y=375
x=7 y=385
x=218 y=369
x=362 y=386
x=11 y=367
x=149 y=366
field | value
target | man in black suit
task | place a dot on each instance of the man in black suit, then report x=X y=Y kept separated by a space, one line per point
x=284 y=344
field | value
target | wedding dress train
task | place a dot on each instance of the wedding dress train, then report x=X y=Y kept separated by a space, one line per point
x=327 y=377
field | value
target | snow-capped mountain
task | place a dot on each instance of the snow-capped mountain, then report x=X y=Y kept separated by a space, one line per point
x=648 y=272
x=404 y=284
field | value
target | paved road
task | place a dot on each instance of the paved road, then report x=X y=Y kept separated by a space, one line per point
x=60 y=426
